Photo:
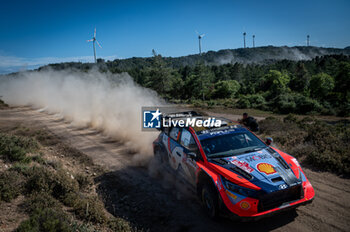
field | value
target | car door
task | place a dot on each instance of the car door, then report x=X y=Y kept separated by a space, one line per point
x=175 y=149
x=188 y=164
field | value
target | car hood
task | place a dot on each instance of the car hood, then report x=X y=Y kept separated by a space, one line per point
x=265 y=168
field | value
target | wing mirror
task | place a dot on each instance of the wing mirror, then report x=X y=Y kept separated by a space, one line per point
x=192 y=155
x=269 y=141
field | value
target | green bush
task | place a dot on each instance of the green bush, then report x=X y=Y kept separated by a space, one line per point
x=290 y=118
x=11 y=185
x=14 y=148
x=251 y=101
x=322 y=145
x=84 y=181
x=40 y=201
x=59 y=184
x=295 y=103
x=89 y=209
x=284 y=103
x=118 y=224
x=46 y=220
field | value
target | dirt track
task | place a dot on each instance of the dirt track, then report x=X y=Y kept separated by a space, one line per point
x=154 y=203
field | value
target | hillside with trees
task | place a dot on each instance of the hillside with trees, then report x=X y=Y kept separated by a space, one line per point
x=279 y=79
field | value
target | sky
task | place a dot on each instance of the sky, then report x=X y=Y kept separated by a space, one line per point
x=34 y=33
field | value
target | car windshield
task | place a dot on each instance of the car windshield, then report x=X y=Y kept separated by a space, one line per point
x=231 y=144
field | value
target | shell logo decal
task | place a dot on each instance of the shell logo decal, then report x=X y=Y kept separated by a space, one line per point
x=266 y=168
x=245 y=205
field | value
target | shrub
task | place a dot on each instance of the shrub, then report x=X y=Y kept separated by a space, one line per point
x=284 y=104
x=46 y=220
x=14 y=148
x=251 y=101
x=84 y=181
x=290 y=118
x=40 y=201
x=11 y=185
x=295 y=103
x=59 y=184
x=322 y=145
x=118 y=224
x=90 y=209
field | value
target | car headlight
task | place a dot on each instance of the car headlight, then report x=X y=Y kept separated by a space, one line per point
x=239 y=189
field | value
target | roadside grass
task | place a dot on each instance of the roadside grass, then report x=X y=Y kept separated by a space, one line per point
x=320 y=145
x=55 y=200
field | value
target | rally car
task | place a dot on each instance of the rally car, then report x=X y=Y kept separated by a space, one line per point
x=233 y=170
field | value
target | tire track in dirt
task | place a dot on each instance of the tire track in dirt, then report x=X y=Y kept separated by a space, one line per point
x=152 y=203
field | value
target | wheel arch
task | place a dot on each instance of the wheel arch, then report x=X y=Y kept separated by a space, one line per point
x=202 y=179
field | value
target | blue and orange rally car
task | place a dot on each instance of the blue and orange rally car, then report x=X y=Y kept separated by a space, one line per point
x=232 y=169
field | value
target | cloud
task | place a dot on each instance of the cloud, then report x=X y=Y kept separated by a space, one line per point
x=10 y=64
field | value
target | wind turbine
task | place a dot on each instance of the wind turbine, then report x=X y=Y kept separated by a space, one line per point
x=200 y=36
x=93 y=40
x=253 y=41
x=244 y=34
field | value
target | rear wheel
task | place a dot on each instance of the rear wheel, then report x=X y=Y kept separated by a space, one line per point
x=210 y=200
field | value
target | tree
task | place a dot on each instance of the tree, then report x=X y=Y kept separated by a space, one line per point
x=275 y=82
x=159 y=76
x=321 y=85
x=301 y=80
x=225 y=89
x=343 y=81
x=198 y=84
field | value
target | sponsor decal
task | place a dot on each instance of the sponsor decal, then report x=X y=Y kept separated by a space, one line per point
x=243 y=165
x=266 y=168
x=257 y=157
x=233 y=196
x=245 y=205
x=282 y=186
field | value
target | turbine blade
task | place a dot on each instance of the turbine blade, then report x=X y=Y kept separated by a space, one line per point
x=202 y=35
x=95 y=32
x=196 y=32
x=90 y=40
x=98 y=44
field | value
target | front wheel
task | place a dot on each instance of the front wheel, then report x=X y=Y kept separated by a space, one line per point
x=210 y=200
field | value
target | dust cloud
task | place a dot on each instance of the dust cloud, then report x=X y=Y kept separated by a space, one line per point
x=107 y=102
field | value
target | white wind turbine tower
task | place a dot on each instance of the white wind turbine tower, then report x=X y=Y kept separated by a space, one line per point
x=200 y=36
x=93 y=40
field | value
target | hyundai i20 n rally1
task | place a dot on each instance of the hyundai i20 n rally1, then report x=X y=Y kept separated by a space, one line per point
x=233 y=170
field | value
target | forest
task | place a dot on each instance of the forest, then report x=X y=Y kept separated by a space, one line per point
x=318 y=86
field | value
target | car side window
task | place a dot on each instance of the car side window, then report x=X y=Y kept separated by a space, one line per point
x=187 y=139
x=174 y=133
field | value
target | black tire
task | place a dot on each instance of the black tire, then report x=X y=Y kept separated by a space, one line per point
x=210 y=200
